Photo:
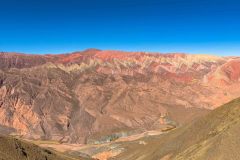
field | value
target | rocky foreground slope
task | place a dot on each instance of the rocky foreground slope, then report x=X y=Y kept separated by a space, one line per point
x=85 y=96
x=15 y=149
x=213 y=137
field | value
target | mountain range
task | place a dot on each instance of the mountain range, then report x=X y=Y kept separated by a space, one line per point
x=84 y=97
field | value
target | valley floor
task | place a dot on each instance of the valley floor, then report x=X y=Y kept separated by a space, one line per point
x=99 y=151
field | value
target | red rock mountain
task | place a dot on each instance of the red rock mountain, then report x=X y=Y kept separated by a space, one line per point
x=83 y=96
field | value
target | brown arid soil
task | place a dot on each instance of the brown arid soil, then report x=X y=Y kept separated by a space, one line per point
x=102 y=151
x=98 y=96
x=212 y=137
x=14 y=149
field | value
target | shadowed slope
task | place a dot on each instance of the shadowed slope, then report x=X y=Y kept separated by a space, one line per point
x=15 y=149
x=213 y=137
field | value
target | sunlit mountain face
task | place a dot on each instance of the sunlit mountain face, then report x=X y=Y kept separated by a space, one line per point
x=85 y=96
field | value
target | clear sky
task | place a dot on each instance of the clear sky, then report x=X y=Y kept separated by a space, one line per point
x=57 y=26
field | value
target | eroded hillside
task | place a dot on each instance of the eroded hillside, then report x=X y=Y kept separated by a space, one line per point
x=85 y=97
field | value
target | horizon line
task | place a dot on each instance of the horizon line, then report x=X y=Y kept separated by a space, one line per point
x=118 y=50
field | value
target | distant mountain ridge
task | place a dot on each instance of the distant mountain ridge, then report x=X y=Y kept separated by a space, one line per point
x=170 y=64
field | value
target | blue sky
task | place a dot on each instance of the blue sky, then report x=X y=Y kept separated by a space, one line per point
x=57 y=26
